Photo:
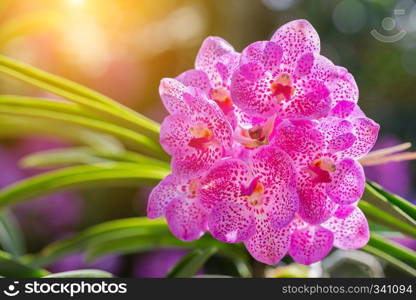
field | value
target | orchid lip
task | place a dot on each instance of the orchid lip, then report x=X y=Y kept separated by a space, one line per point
x=321 y=169
x=254 y=192
x=282 y=88
x=193 y=188
x=222 y=97
x=256 y=136
x=203 y=137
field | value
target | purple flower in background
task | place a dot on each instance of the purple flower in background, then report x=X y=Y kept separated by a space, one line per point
x=393 y=176
x=156 y=264
x=9 y=173
x=405 y=241
x=51 y=215
x=109 y=263
x=48 y=216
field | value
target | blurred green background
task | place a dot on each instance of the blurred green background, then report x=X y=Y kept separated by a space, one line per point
x=123 y=49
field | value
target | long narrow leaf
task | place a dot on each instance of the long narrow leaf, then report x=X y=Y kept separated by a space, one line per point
x=141 y=141
x=10 y=267
x=373 y=197
x=109 y=174
x=86 y=273
x=11 y=237
x=391 y=259
x=83 y=155
x=399 y=252
x=16 y=127
x=191 y=263
x=396 y=200
x=105 y=231
x=46 y=104
x=74 y=92
x=382 y=217
x=131 y=236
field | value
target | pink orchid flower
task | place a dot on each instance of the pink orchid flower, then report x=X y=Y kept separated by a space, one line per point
x=325 y=154
x=265 y=147
x=288 y=76
x=252 y=202
x=215 y=63
x=347 y=229
x=178 y=200
x=196 y=133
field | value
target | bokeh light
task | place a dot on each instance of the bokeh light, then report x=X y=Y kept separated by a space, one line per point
x=349 y=16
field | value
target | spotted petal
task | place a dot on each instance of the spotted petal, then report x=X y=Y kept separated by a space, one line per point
x=344 y=87
x=347 y=182
x=309 y=103
x=223 y=183
x=313 y=78
x=197 y=79
x=186 y=218
x=176 y=139
x=212 y=49
x=366 y=132
x=231 y=223
x=300 y=139
x=268 y=245
x=267 y=54
x=274 y=168
x=343 y=109
x=171 y=91
x=207 y=112
x=315 y=206
x=338 y=134
x=304 y=64
x=225 y=67
x=296 y=38
x=310 y=244
x=161 y=195
x=250 y=90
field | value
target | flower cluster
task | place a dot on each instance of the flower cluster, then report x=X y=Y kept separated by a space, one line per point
x=264 y=147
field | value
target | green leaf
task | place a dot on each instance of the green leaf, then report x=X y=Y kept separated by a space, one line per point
x=11 y=238
x=84 y=155
x=381 y=211
x=10 y=267
x=105 y=231
x=380 y=216
x=106 y=174
x=378 y=200
x=86 y=273
x=75 y=93
x=406 y=206
x=16 y=127
x=133 y=235
x=60 y=158
x=46 y=104
x=70 y=114
x=191 y=263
